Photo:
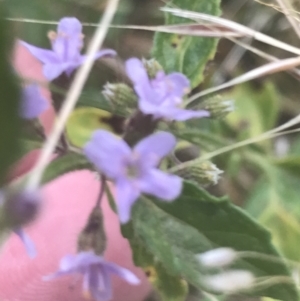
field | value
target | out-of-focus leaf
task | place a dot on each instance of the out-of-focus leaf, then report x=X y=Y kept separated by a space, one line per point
x=255 y=112
x=274 y=201
x=9 y=100
x=65 y=164
x=185 y=54
x=204 y=139
x=84 y=121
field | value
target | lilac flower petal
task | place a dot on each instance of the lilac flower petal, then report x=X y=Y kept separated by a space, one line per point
x=87 y=258
x=127 y=194
x=70 y=26
x=149 y=108
x=28 y=243
x=162 y=185
x=107 y=152
x=99 y=284
x=99 y=54
x=154 y=147
x=52 y=71
x=137 y=73
x=182 y=115
x=122 y=273
x=68 y=42
x=44 y=55
x=180 y=83
x=75 y=264
x=32 y=103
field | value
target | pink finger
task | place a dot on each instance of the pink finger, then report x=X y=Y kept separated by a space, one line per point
x=67 y=204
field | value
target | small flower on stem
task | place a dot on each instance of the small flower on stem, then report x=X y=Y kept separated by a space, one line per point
x=96 y=273
x=17 y=210
x=65 y=55
x=32 y=102
x=161 y=96
x=28 y=243
x=134 y=171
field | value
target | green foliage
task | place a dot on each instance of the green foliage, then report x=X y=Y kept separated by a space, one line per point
x=65 y=164
x=256 y=110
x=83 y=122
x=173 y=233
x=274 y=201
x=9 y=100
x=186 y=54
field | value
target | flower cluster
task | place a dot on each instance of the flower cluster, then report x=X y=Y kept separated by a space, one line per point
x=135 y=168
x=134 y=171
x=161 y=96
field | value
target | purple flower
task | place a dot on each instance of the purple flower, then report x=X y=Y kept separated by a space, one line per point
x=161 y=96
x=134 y=171
x=32 y=102
x=28 y=243
x=96 y=273
x=19 y=209
x=66 y=46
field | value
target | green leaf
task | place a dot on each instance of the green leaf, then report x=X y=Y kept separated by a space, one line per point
x=164 y=248
x=9 y=100
x=175 y=232
x=185 y=54
x=206 y=140
x=94 y=99
x=83 y=122
x=29 y=139
x=256 y=111
x=274 y=201
x=65 y=164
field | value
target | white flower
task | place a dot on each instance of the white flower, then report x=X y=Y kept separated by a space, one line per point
x=230 y=281
x=218 y=257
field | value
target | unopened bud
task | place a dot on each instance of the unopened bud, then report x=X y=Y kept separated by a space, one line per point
x=218 y=107
x=152 y=66
x=230 y=282
x=217 y=258
x=20 y=208
x=93 y=236
x=121 y=96
x=205 y=173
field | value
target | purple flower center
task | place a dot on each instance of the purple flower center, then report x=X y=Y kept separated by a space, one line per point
x=164 y=88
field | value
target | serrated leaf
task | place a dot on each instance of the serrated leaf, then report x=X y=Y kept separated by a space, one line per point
x=185 y=54
x=159 y=267
x=65 y=164
x=175 y=232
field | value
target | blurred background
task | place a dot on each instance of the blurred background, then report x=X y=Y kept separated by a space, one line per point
x=264 y=177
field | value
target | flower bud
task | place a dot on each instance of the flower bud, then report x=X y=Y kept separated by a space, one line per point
x=121 y=96
x=205 y=173
x=92 y=237
x=152 y=67
x=217 y=258
x=20 y=208
x=218 y=107
x=230 y=281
